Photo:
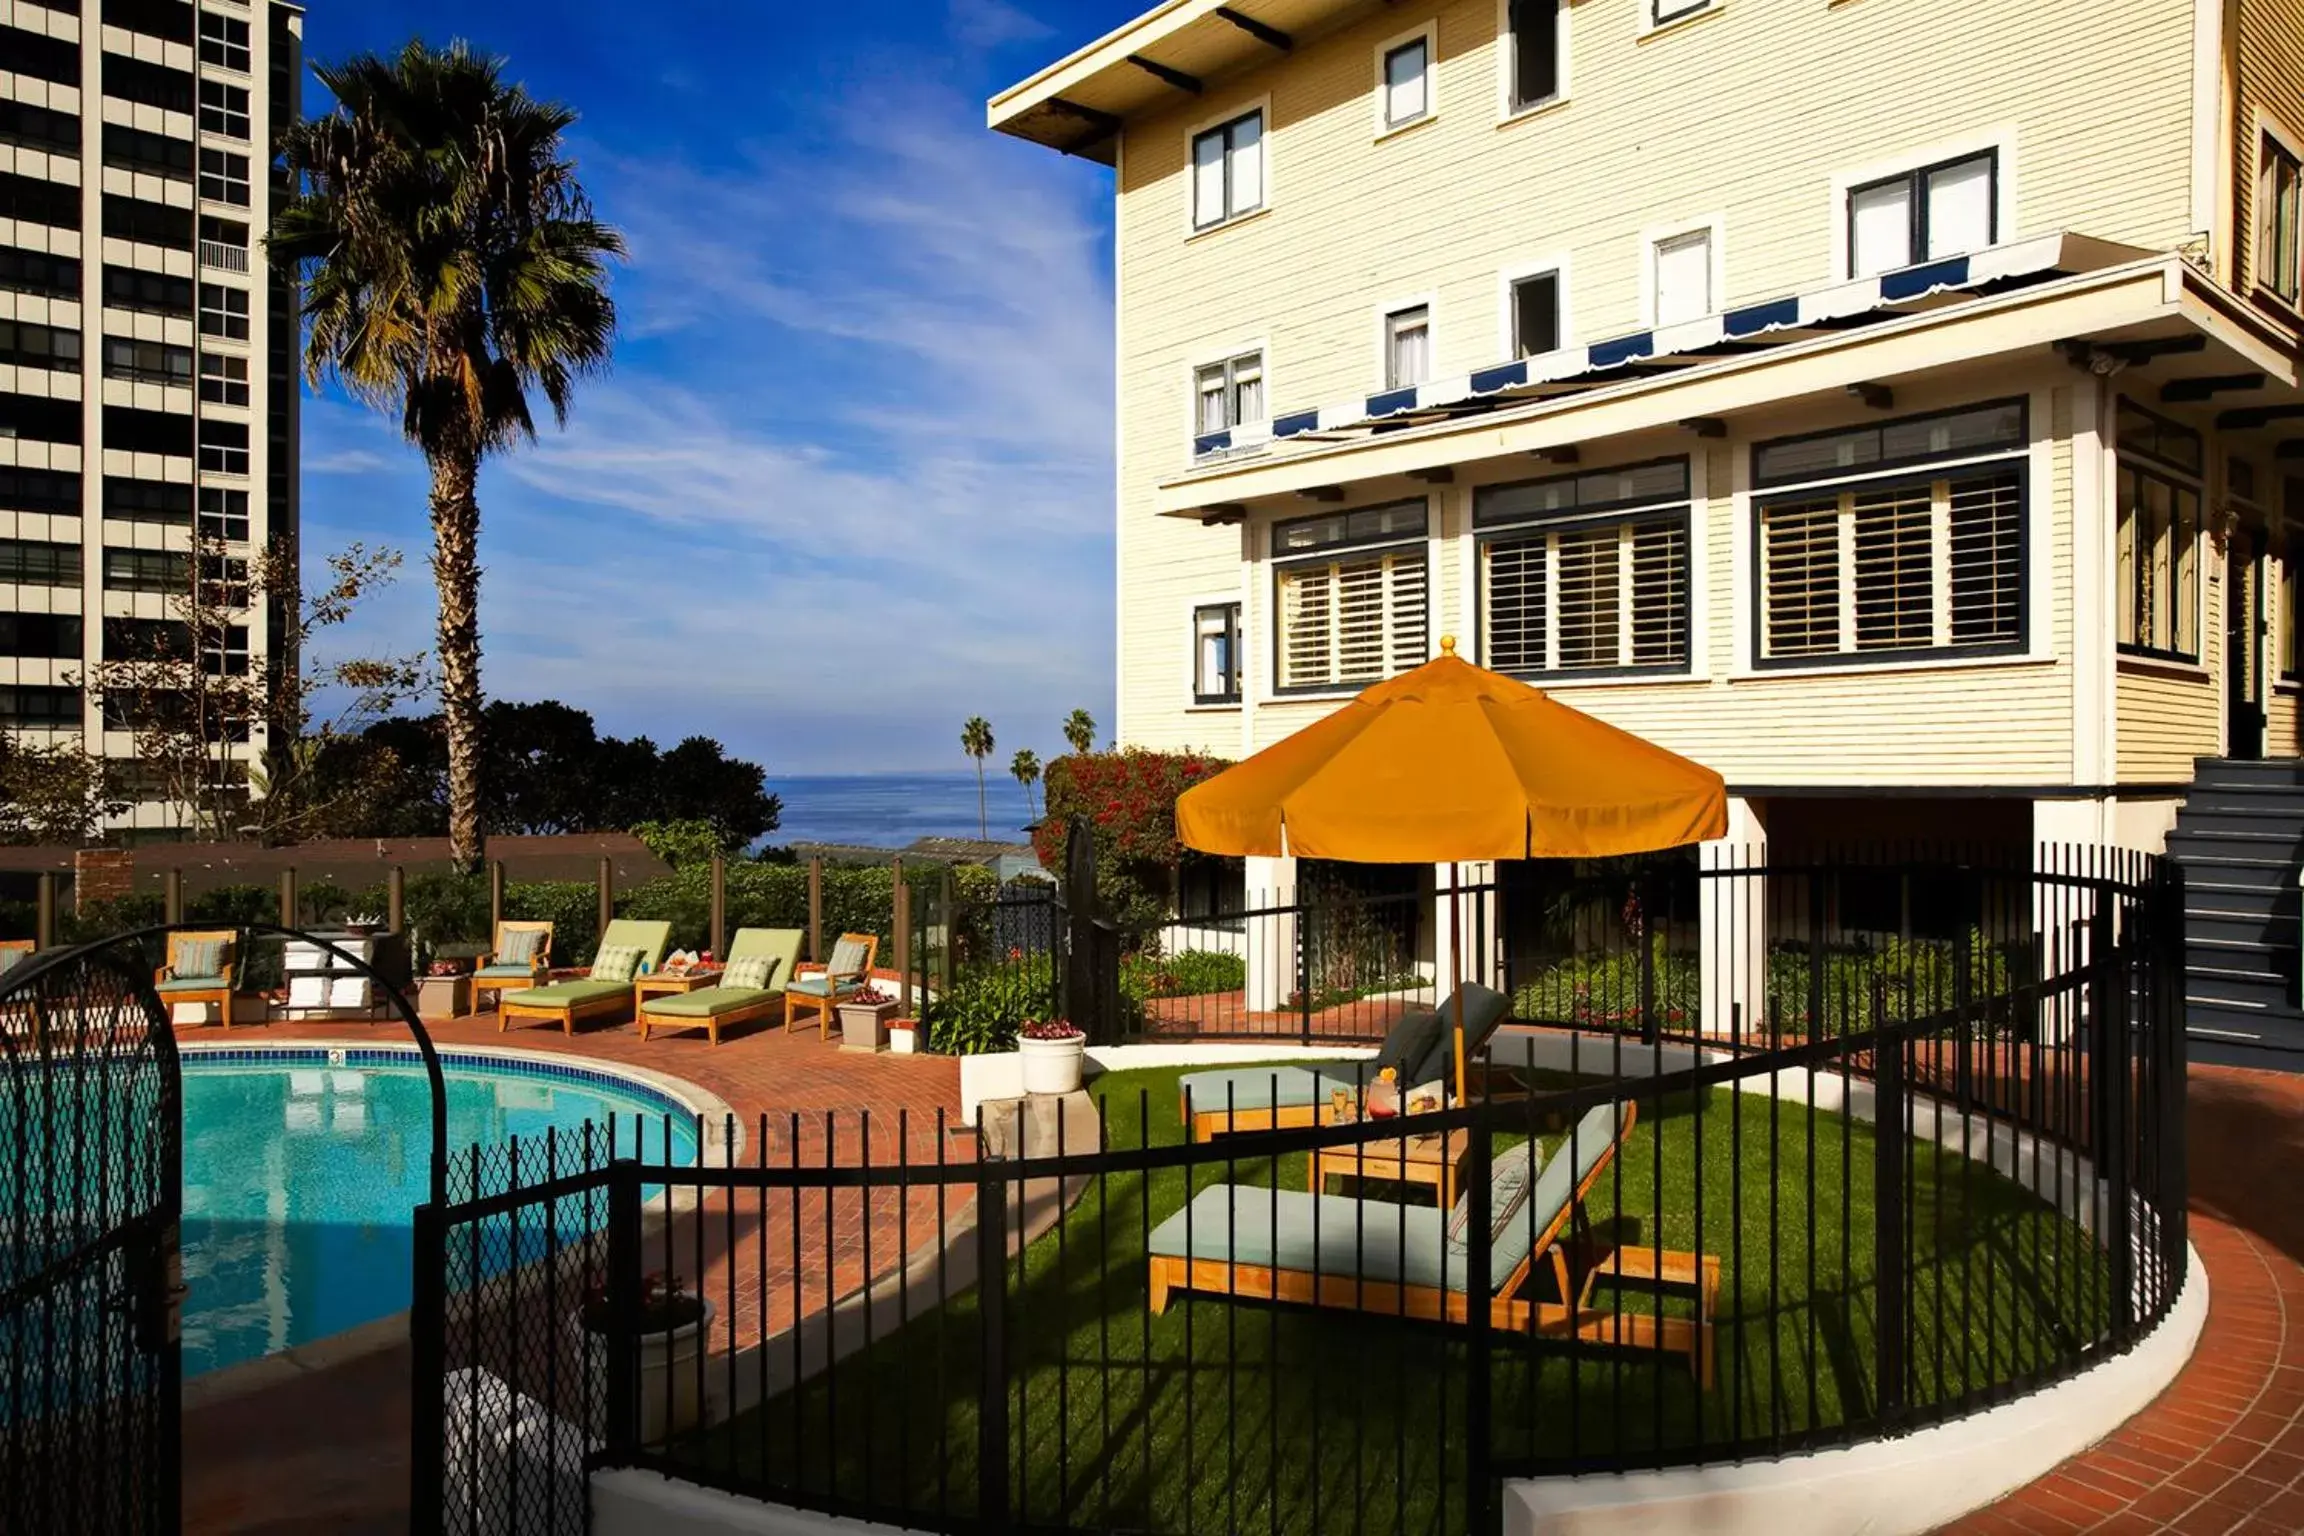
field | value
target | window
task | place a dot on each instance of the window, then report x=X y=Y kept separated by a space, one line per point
x=1231 y=392
x=37 y=200
x=170 y=20
x=151 y=292
x=32 y=708
x=146 y=570
x=1890 y=564
x=223 y=514
x=1351 y=596
x=147 y=501
x=1536 y=314
x=56 y=277
x=1534 y=52
x=2279 y=220
x=41 y=128
x=223 y=109
x=147 y=639
x=224 y=380
x=1228 y=170
x=223 y=311
x=224 y=581
x=224 y=41
x=224 y=651
x=152 y=85
x=132 y=218
x=224 y=447
x=232 y=232
x=2292 y=585
x=1585 y=572
x=38 y=55
x=39 y=346
x=138 y=431
x=33 y=563
x=146 y=362
x=1216 y=653
x=1683 y=277
x=40 y=419
x=53 y=635
x=1939 y=210
x=224 y=177
x=1407 y=347
x=38 y=490
x=156 y=154
x=1404 y=93
x=2159 y=534
x=1663 y=11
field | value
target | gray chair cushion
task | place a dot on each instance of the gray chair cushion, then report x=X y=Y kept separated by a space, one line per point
x=1274 y=1087
x=520 y=946
x=505 y=972
x=1323 y=1234
x=198 y=957
x=1571 y=1160
x=1484 y=1008
x=1408 y=1043
x=848 y=958
x=1511 y=1174
x=11 y=958
x=192 y=984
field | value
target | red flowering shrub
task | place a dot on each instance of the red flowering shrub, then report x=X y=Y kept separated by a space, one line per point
x=1129 y=798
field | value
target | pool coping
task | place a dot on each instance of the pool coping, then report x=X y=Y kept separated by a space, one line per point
x=722 y=1137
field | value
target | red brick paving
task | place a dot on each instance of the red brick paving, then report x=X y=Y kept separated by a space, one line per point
x=329 y=1449
x=2222 y=1450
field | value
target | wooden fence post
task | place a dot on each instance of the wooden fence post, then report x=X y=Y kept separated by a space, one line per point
x=719 y=907
x=605 y=884
x=1079 y=999
x=396 y=900
x=172 y=896
x=288 y=897
x=44 y=923
x=903 y=925
x=816 y=909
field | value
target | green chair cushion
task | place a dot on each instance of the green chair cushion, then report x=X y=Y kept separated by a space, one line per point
x=649 y=934
x=616 y=962
x=564 y=994
x=749 y=973
x=192 y=984
x=704 y=1002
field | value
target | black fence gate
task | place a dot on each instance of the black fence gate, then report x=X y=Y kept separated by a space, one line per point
x=90 y=1134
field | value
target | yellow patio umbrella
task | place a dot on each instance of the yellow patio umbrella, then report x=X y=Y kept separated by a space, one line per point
x=1450 y=762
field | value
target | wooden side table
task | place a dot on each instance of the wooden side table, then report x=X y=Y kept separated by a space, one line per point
x=1427 y=1160
x=671 y=984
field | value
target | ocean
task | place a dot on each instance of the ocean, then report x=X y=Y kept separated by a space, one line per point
x=889 y=810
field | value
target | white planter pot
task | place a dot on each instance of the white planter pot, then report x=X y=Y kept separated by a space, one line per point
x=671 y=1398
x=904 y=1042
x=1053 y=1066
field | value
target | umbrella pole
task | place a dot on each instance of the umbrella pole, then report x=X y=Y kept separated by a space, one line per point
x=1456 y=975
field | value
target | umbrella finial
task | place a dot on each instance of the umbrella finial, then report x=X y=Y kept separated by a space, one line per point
x=1447 y=645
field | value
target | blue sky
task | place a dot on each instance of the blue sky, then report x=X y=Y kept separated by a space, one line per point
x=850 y=479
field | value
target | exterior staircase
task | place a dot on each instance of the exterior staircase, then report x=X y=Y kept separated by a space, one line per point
x=2240 y=841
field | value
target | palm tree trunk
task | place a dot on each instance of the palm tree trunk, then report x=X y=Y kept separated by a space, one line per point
x=983 y=823
x=456 y=570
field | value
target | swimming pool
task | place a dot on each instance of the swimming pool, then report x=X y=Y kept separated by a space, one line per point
x=302 y=1167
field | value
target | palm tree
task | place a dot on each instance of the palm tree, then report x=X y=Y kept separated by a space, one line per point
x=451 y=264
x=1026 y=766
x=976 y=741
x=1080 y=730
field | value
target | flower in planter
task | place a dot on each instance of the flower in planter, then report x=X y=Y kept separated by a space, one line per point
x=1052 y=1029
x=665 y=1304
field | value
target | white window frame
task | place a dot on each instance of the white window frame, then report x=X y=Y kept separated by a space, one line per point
x=1507 y=328
x=2270 y=127
x=1277 y=564
x=1429 y=35
x=1507 y=57
x=1714 y=226
x=1384 y=313
x=2000 y=141
x=1663 y=15
x=1261 y=109
x=1193 y=610
x=1211 y=359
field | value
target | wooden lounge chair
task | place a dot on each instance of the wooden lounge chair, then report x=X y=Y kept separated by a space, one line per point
x=565 y=1002
x=715 y=1007
x=1420 y=1048
x=191 y=976
x=1372 y=1256
x=500 y=971
x=820 y=988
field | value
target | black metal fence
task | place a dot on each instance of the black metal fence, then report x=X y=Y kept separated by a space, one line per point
x=1953 y=1174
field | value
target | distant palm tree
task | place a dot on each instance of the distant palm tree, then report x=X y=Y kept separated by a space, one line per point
x=1026 y=766
x=976 y=741
x=1080 y=730
x=451 y=265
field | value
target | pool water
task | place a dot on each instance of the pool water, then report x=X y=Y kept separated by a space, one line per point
x=301 y=1174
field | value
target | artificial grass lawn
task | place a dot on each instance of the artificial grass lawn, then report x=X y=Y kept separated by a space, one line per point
x=1228 y=1415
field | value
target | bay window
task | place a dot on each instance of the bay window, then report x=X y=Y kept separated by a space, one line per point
x=1585 y=572
x=1875 y=545
x=1351 y=593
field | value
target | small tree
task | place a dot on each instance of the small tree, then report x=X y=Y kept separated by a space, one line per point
x=1025 y=765
x=1129 y=799
x=54 y=794
x=976 y=741
x=1080 y=730
x=191 y=688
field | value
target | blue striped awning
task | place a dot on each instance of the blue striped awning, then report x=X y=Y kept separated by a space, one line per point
x=1753 y=327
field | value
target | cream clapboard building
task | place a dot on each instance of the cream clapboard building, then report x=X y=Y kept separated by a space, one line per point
x=1893 y=404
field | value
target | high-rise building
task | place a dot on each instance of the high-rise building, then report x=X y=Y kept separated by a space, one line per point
x=147 y=351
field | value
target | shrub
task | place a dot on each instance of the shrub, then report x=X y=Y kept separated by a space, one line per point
x=1129 y=799
x=1603 y=991
x=1188 y=973
x=989 y=1003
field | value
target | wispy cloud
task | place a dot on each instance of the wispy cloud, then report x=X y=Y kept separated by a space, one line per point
x=345 y=461
x=993 y=24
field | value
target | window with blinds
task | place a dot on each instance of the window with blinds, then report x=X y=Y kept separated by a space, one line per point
x=1586 y=572
x=1359 y=610
x=1894 y=565
x=2159 y=564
